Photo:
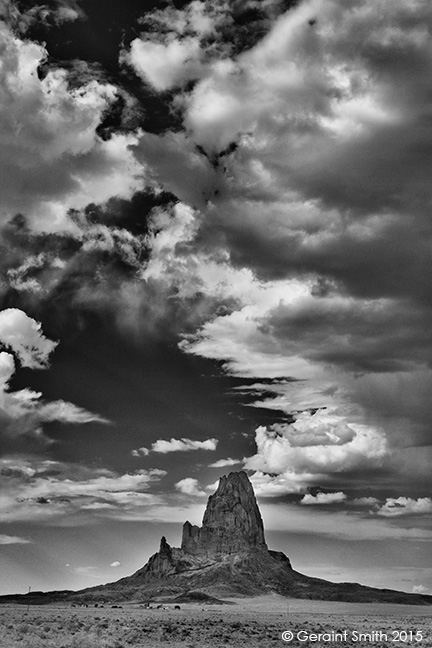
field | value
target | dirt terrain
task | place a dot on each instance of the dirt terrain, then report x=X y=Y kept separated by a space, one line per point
x=253 y=622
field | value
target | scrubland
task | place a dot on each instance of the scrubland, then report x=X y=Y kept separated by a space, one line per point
x=257 y=622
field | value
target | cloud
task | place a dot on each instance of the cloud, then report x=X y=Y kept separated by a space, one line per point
x=340 y=525
x=140 y=452
x=303 y=172
x=266 y=485
x=53 y=159
x=177 y=445
x=23 y=412
x=395 y=507
x=8 y=539
x=321 y=446
x=222 y=463
x=49 y=491
x=421 y=589
x=60 y=11
x=23 y=335
x=189 y=486
x=116 y=563
x=166 y=65
x=176 y=47
x=323 y=498
x=364 y=501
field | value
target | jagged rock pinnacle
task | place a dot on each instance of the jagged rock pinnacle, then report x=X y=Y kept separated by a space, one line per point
x=232 y=522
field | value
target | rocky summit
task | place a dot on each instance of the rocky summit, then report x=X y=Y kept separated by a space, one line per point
x=232 y=522
x=226 y=556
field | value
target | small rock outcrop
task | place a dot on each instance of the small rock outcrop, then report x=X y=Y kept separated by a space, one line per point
x=232 y=522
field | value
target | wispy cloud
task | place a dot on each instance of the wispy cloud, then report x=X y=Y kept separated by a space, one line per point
x=50 y=491
x=23 y=412
x=176 y=445
x=223 y=463
x=8 y=539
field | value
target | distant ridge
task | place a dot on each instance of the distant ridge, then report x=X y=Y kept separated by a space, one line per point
x=226 y=556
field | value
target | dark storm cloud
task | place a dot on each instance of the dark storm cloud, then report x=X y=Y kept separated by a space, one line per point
x=23 y=16
x=362 y=336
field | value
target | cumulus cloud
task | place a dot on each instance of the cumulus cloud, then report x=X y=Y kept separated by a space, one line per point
x=116 y=563
x=140 y=452
x=323 y=498
x=395 y=507
x=320 y=446
x=176 y=48
x=23 y=335
x=177 y=445
x=53 y=160
x=166 y=65
x=189 y=486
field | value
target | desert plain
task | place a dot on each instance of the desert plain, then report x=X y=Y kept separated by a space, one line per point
x=257 y=622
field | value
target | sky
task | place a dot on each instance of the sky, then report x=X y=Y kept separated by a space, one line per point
x=215 y=255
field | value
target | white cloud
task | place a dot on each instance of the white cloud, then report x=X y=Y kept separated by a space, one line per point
x=172 y=52
x=166 y=65
x=395 y=507
x=140 y=452
x=182 y=445
x=23 y=412
x=323 y=498
x=23 y=335
x=189 y=486
x=49 y=491
x=222 y=463
x=421 y=589
x=8 y=539
x=116 y=563
x=53 y=160
x=328 y=445
x=64 y=412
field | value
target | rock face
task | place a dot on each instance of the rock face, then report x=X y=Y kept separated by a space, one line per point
x=232 y=522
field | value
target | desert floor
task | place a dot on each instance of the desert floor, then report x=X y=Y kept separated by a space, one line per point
x=256 y=622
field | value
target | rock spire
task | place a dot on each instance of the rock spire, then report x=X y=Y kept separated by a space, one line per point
x=232 y=522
